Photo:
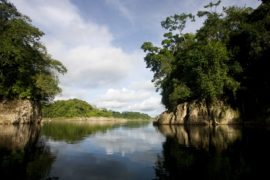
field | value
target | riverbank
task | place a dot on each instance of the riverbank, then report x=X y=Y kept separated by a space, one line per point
x=73 y=108
x=94 y=120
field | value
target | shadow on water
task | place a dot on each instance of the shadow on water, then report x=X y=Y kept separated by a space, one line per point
x=206 y=152
x=22 y=154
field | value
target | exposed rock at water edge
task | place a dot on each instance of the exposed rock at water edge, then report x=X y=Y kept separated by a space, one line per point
x=19 y=112
x=199 y=113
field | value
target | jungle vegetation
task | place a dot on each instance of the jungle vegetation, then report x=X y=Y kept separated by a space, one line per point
x=78 y=108
x=27 y=71
x=226 y=59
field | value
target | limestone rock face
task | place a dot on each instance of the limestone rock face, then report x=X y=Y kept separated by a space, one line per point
x=199 y=113
x=19 y=112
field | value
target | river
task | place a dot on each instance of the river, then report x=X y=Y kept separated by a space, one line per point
x=133 y=151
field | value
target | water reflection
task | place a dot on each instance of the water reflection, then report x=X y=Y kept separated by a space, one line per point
x=124 y=152
x=18 y=137
x=22 y=154
x=203 y=137
x=124 y=140
x=73 y=132
x=136 y=151
x=223 y=152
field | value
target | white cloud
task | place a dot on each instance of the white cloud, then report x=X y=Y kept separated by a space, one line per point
x=150 y=104
x=138 y=97
x=143 y=85
x=95 y=65
x=84 y=47
x=124 y=95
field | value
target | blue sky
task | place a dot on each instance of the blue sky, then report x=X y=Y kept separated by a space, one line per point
x=99 y=42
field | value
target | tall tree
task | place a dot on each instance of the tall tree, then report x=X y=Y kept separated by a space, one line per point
x=27 y=71
x=226 y=59
x=191 y=66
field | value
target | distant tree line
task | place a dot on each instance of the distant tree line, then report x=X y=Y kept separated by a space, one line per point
x=78 y=108
x=27 y=71
x=227 y=59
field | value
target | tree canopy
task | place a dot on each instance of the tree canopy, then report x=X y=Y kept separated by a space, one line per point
x=27 y=71
x=226 y=59
x=78 y=108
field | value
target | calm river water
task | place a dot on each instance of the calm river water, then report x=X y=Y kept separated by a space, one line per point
x=133 y=151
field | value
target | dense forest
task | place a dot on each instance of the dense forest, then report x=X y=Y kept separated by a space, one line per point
x=27 y=71
x=226 y=59
x=78 y=108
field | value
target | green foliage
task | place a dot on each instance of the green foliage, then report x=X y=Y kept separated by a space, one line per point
x=26 y=69
x=78 y=108
x=67 y=108
x=130 y=115
x=226 y=59
x=190 y=66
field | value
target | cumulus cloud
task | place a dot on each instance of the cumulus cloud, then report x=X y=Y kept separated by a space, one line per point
x=92 y=67
x=83 y=46
x=124 y=95
x=95 y=65
x=149 y=104
x=138 y=96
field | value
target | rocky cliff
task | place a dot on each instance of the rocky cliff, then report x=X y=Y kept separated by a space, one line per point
x=199 y=113
x=19 y=112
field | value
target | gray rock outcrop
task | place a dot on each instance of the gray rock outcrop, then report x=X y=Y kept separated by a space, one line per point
x=197 y=112
x=19 y=112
